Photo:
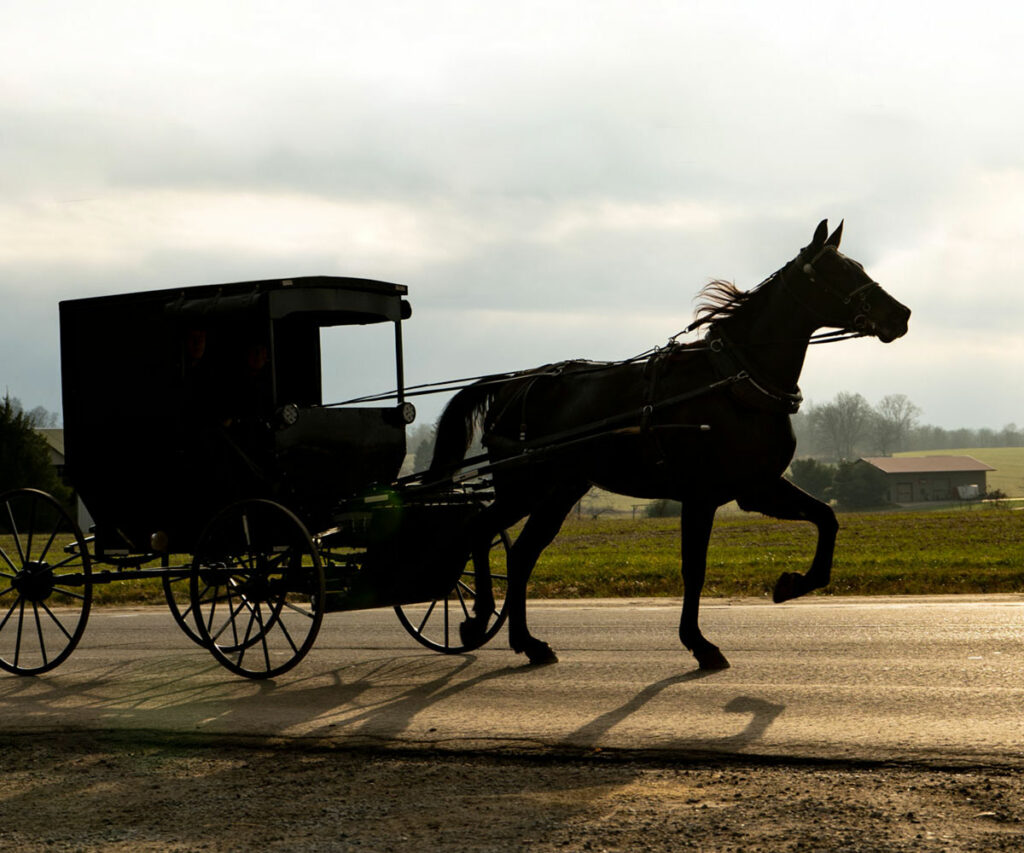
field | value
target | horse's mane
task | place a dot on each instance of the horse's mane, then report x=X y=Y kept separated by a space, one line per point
x=719 y=299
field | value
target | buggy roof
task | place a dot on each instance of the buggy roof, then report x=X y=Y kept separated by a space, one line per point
x=330 y=300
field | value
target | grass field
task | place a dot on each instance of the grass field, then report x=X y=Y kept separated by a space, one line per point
x=1008 y=462
x=973 y=550
x=952 y=551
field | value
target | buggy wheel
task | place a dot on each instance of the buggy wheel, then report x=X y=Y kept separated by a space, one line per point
x=452 y=624
x=45 y=582
x=177 y=592
x=257 y=589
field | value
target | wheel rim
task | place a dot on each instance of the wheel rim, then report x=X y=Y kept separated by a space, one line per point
x=257 y=589
x=45 y=582
x=177 y=592
x=438 y=624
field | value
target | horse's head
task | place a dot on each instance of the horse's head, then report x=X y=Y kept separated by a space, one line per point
x=839 y=294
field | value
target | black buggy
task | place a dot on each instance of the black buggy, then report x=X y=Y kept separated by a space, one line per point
x=198 y=443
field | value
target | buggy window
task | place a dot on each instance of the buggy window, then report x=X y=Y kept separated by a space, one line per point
x=357 y=361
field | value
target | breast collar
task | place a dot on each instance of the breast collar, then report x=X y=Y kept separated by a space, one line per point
x=729 y=362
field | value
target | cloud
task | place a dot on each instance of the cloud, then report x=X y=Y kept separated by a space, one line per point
x=551 y=180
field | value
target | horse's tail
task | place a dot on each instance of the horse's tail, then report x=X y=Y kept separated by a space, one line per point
x=457 y=425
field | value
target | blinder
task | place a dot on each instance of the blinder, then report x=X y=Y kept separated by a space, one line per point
x=861 y=314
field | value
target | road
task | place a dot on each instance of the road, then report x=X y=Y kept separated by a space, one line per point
x=917 y=679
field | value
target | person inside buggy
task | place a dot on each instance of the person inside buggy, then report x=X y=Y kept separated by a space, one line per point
x=227 y=407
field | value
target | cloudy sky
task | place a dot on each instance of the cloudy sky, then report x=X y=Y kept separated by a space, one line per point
x=550 y=179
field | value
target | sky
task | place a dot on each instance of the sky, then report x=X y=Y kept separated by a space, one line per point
x=551 y=179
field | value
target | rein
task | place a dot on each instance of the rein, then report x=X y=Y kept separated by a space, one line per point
x=808 y=270
x=453 y=385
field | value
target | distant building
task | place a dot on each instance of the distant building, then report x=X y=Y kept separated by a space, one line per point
x=913 y=479
x=55 y=441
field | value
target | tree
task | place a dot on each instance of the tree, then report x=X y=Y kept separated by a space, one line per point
x=812 y=476
x=895 y=418
x=24 y=453
x=425 y=450
x=858 y=485
x=839 y=425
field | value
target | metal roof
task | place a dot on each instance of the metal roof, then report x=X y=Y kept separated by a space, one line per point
x=926 y=464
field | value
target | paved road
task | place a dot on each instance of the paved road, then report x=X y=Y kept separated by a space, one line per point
x=917 y=679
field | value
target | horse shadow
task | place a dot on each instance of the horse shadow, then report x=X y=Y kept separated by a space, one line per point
x=356 y=703
x=762 y=714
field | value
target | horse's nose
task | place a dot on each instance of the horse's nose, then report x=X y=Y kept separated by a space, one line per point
x=898 y=325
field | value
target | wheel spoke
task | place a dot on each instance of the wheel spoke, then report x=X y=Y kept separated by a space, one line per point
x=49 y=543
x=21 y=624
x=6 y=559
x=70 y=593
x=16 y=535
x=232 y=613
x=69 y=559
x=11 y=610
x=263 y=639
x=39 y=633
x=287 y=635
x=55 y=620
x=302 y=611
x=244 y=645
x=423 y=624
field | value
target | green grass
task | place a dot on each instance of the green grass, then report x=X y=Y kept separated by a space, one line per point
x=974 y=550
x=955 y=551
x=1008 y=462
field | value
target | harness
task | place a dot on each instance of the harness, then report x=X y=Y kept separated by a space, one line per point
x=729 y=361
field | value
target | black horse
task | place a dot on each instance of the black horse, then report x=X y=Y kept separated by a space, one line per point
x=702 y=423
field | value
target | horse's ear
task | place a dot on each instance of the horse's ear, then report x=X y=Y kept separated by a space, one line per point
x=837 y=235
x=820 y=233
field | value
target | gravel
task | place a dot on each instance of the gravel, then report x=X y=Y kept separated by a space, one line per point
x=145 y=792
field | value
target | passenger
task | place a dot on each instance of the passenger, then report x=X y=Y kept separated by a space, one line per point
x=200 y=406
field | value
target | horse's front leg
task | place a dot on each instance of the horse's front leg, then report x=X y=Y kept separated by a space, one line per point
x=695 y=522
x=785 y=501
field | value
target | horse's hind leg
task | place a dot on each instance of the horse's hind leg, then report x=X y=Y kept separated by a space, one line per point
x=540 y=529
x=786 y=501
x=696 y=521
x=490 y=523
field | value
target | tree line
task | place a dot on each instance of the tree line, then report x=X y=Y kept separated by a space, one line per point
x=24 y=453
x=848 y=427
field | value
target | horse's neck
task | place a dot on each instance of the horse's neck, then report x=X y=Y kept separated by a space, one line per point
x=774 y=337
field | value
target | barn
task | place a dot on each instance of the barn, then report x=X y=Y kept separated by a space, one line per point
x=931 y=478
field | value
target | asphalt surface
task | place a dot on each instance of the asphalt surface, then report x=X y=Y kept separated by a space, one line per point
x=920 y=679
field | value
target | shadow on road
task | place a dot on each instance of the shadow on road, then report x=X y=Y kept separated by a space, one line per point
x=374 y=701
x=762 y=715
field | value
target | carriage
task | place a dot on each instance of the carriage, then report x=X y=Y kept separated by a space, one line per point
x=195 y=425
x=199 y=445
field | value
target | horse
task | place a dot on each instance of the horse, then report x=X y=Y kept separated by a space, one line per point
x=703 y=423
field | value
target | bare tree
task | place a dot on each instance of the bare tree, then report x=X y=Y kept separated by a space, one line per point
x=895 y=417
x=839 y=425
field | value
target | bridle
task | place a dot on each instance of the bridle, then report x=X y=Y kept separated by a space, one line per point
x=858 y=297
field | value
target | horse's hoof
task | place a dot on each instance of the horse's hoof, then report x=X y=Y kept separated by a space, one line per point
x=541 y=655
x=711 y=660
x=787 y=587
x=471 y=634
